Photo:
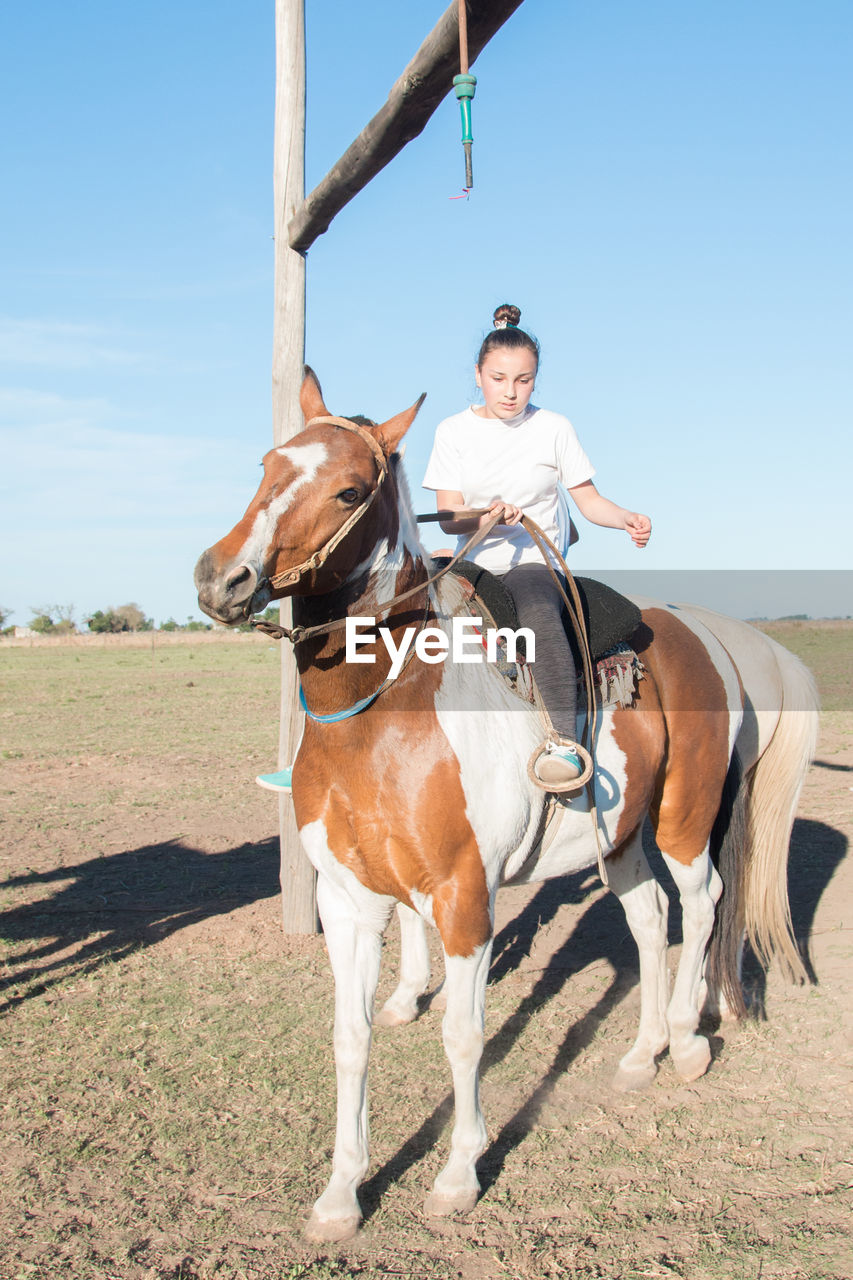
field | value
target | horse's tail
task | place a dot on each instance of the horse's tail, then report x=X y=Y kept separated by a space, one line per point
x=774 y=792
x=750 y=839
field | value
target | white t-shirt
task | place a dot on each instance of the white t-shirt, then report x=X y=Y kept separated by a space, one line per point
x=519 y=460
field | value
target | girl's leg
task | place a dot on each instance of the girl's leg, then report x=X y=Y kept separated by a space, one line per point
x=539 y=606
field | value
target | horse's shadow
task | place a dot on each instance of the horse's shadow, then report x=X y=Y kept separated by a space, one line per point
x=106 y=907
x=601 y=934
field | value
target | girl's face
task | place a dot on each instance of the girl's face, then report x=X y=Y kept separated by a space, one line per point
x=506 y=378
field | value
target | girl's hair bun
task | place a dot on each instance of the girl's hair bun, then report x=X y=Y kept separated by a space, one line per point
x=506 y=335
x=507 y=315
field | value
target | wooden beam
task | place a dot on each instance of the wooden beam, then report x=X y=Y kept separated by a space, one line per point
x=298 y=881
x=412 y=100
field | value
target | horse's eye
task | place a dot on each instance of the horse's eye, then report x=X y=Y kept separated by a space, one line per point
x=349 y=496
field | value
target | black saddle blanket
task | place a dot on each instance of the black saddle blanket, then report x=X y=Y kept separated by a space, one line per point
x=610 y=618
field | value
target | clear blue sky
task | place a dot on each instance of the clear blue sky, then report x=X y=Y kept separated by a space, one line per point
x=663 y=188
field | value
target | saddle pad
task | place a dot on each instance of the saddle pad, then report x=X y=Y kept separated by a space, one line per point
x=610 y=618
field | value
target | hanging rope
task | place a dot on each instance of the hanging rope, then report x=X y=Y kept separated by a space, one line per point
x=464 y=86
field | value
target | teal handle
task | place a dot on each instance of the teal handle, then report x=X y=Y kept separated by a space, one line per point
x=465 y=108
x=464 y=87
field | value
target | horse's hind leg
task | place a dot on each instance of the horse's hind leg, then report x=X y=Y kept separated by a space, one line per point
x=645 y=905
x=402 y=1005
x=699 y=887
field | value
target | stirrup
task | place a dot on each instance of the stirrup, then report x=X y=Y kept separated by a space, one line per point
x=567 y=752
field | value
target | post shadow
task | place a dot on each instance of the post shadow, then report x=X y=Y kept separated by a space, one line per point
x=109 y=906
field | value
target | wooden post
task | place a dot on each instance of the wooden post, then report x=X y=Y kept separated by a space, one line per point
x=298 y=221
x=298 y=880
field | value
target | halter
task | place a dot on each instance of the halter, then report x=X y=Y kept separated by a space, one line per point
x=291 y=576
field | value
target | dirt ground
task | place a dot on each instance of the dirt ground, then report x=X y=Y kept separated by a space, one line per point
x=168 y=1108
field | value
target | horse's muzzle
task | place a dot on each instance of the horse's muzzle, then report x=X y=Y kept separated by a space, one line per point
x=229 y=596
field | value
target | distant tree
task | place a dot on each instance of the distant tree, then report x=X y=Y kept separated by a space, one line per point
x=54 y=619
x=134 y=617
x=169 y=625
x=106 y=622
x=195 y=624
x=127 y=617
x=5 y=614
x=65 y=624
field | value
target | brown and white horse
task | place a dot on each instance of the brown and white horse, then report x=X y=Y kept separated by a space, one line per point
x=423 y=798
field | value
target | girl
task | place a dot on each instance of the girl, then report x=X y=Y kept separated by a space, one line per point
x=509 y=455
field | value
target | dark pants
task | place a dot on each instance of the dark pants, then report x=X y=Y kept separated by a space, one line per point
x=540 y=607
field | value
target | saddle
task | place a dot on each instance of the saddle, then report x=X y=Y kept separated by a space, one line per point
x=610 y=620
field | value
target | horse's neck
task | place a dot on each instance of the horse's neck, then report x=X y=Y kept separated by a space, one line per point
x=394 y=565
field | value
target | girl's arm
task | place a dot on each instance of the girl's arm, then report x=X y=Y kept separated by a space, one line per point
x=450 y=500
x=600 y=510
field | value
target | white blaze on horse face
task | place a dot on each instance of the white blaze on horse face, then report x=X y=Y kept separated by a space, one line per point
x=307 y=460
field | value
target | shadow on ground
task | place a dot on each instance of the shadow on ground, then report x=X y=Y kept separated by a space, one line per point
x=109 y=906
x=104 y=908
x=600 y=934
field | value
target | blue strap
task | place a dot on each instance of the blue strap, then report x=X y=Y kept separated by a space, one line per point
x=335 y=716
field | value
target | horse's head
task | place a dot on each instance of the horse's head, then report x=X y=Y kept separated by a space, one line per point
x=326 y=499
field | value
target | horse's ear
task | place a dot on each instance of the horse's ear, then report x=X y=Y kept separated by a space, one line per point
x=390 y=433
x=311 y=397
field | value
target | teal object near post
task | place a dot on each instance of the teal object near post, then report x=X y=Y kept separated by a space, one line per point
x=465 y=87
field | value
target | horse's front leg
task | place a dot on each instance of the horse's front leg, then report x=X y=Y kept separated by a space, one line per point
x=457 y=1187
x=402 y=1005
x=354 y=939
x=645 y=905
x=699 y=886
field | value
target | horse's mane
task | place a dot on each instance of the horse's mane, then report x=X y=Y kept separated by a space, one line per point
x=408 y=521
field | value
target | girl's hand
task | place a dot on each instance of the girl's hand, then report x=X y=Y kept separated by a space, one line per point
x=638 y=527
x=508 y=514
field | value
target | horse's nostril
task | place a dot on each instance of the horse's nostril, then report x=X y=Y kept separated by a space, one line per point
x=241 y=581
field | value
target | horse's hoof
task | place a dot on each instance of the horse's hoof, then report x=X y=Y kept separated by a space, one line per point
x=693 y=1060
x=331 y=1230
x=441 y=1204
x=633 y=1079
x=389 y=1016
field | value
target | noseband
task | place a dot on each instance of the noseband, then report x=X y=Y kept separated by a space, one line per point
x=291 y=576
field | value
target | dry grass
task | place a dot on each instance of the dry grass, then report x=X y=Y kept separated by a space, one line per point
x=168 y=1090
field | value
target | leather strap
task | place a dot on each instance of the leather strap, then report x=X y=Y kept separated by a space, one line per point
x=296 y=635
x=289 y=577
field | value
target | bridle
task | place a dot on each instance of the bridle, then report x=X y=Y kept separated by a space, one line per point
x=314 y=562
x=289 y=577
